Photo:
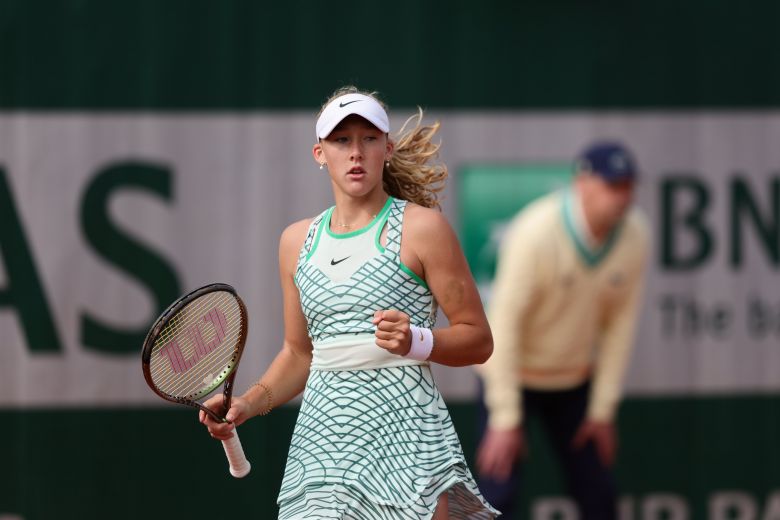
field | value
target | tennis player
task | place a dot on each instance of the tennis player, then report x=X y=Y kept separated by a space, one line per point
x=362 y=282
x=563 y=310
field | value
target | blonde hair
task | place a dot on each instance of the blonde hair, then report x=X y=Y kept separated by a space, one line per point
x=411 y=174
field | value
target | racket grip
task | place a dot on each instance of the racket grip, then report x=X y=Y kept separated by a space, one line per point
x=239 y=466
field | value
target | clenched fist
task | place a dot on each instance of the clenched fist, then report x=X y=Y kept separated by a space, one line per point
x=393 y=332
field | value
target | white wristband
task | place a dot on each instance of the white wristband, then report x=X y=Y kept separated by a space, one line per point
x=422 y=343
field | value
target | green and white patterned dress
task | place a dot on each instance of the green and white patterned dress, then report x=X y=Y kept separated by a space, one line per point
x=373 y=439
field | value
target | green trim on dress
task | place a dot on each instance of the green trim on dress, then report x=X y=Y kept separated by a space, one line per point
x=360 y=231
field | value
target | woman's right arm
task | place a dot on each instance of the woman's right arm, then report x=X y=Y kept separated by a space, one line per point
x=287 y=374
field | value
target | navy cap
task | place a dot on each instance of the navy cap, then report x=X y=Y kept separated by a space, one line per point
x=609 y=160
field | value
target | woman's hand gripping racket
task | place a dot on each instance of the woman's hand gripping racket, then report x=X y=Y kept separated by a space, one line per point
x=192 y=348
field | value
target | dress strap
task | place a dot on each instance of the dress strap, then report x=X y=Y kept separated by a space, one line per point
x=395 y=221
x=313 y=236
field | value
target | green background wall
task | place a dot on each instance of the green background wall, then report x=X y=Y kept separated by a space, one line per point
x=243 y=54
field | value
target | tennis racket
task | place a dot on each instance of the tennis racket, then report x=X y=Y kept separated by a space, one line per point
x=192 y=348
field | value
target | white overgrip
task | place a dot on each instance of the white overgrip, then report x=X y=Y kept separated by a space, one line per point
x=239 y=466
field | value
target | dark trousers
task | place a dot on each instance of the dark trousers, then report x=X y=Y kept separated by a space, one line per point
x=590 y=483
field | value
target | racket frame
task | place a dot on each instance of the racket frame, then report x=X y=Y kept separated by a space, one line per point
x=162 y=321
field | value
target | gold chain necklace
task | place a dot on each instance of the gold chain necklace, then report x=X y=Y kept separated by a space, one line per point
x=350 y=226
x=342 y=225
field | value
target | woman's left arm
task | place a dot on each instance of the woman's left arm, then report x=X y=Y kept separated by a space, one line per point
x=432 y=250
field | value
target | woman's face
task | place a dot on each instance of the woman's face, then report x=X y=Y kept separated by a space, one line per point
x=354 y=153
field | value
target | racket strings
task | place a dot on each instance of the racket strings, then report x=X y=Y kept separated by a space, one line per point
x=192 y=368
x=186 y=331
x=197 y=348
x=202 y=378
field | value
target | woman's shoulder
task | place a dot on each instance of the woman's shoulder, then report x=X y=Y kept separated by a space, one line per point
x=421 y=214
x=425 y=222
x=300 y=226
x=294 y=235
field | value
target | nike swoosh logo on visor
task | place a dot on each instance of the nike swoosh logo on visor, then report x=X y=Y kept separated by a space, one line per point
x=342 y=104
x=333 y=261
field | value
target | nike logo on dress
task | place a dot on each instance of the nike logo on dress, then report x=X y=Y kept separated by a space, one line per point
x=333 y=261
x=342 y=104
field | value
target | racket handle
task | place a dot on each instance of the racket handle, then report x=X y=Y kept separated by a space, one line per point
x=239 y=466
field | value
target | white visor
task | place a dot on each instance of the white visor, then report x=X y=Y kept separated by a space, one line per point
x=359 y=104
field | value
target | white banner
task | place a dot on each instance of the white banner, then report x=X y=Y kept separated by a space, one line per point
x=711 y=319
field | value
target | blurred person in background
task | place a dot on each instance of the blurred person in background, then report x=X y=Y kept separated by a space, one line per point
x=563 y=311
x=362 y=282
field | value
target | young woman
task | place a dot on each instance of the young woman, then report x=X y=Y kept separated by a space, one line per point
x=362 y=282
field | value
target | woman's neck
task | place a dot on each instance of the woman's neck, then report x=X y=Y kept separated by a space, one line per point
x=353 y=213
